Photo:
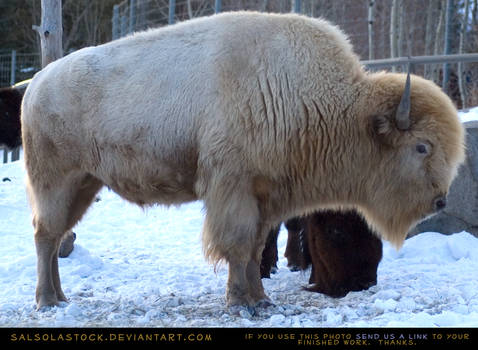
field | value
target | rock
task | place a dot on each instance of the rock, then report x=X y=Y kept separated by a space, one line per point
x=461 y=212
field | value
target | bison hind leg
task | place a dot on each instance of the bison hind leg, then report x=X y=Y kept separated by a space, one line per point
x=58 y=203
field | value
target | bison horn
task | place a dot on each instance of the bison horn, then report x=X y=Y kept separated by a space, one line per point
x=403 y=111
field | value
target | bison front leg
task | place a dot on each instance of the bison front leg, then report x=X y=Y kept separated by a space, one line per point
x=232 y=233
x=237 y=289
x=244 y=285
x=253 y=275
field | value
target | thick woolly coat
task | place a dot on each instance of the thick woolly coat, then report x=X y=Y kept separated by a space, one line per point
x=261 y=116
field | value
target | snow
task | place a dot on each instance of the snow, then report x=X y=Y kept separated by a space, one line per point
x=145 y=268
x=470 y=114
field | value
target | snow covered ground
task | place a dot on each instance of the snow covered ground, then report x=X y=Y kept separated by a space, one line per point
x=470 y=114
x=145 y=268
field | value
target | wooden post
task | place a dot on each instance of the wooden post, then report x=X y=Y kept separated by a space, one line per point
x=5 y=155
x=116 y=23
x=50 y=31
x=172 y=11
x=217 y=6
x=15 y=154
x=123 y=26
x=132 y=16
x=13 y=67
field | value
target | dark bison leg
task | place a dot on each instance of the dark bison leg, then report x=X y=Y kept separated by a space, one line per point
x=297 y=250
x=269 y=254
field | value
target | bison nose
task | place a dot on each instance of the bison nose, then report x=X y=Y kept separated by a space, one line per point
x=440 y=203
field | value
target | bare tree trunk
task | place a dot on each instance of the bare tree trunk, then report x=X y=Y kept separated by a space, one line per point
x=429 y=42
x=438 y=34
x=190 y=9
x=371 y=5
x=461 y=84
x=447 y=45
x=409 y=28
x=393 y=30
x=473 y=13
x=50 y=31
x=400 y=29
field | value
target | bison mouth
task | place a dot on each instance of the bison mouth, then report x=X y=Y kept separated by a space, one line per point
x=437 y=206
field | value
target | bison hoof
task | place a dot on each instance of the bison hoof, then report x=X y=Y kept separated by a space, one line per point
x=250 y=311
x=242 y=311
x=49 y=300
x=46 y=303
x=294 y=268
x=264 y=303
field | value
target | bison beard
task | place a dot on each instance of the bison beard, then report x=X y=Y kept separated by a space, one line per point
x=343 y=251
x=260 y=116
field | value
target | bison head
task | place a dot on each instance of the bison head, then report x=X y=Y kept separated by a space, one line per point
x=417 y=144
x=344 y=253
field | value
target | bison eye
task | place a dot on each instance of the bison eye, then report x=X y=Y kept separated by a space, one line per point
x=421 y=148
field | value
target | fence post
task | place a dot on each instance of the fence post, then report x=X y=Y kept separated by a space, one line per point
x=123 y=26
x=116 y=23
x=217 y=6
x=5 y=154
x=172 y=11
x=13 y=66
x=132 y=16
x=16 y=154
x=297 y=6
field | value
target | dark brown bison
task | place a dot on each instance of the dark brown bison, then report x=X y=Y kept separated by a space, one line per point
x=261 y=116
x=343 y=251
x=10 y=129
x=10 y=136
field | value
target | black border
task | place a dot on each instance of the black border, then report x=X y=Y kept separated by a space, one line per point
x=291 y=337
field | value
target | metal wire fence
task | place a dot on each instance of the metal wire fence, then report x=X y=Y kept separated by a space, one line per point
x=16 y=67
x=377 y=29
x=419 y=25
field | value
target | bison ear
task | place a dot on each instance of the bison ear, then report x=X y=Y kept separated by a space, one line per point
x=384 y=129
x=381 y=125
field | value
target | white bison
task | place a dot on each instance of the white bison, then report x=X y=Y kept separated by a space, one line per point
x=261 y=116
